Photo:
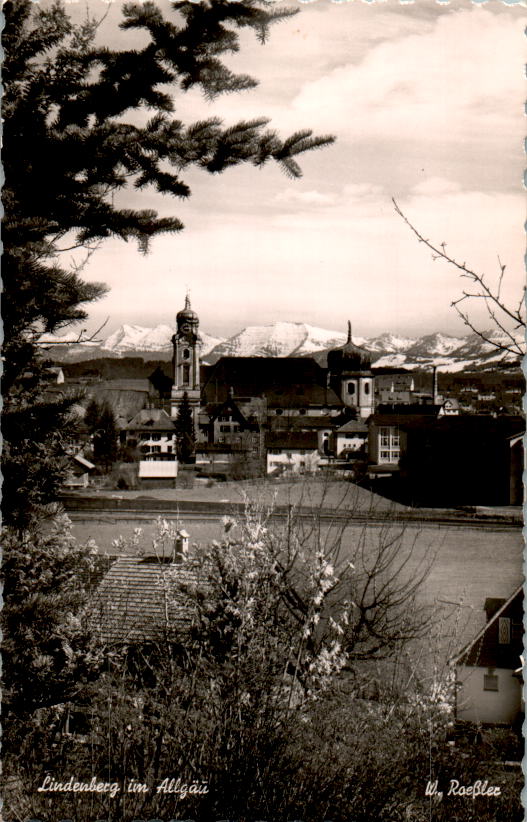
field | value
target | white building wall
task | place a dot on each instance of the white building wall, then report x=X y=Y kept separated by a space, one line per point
x=162 y=469
x=475 y=704
x=166 y=444
x=350 y=442
x=293 y=461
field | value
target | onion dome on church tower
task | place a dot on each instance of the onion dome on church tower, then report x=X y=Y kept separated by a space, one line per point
x=349 y=357
x=187 y=319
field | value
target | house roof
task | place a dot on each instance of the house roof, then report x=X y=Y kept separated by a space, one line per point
x=304 y=440
x=140 y=600
x=151 y=419
x=301 y=422
x=353 y=427
x=397 y=414
x=256 y=376
x=84 y=462
x=484 y=649
x=231 y=405
x=302 y=395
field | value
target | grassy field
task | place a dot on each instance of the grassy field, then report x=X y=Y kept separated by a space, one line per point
x=315 y=492
x=469 y=562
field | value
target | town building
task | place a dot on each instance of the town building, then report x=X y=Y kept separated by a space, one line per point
x=292 y=452
x=351 y=440
x=489 y=668
x=350 y=376
x=152 y=433
x=444 y=461
x=78 y=472
x=186 y=362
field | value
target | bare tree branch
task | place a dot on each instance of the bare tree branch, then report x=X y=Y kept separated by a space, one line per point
x=499 y=312
x=81 y=339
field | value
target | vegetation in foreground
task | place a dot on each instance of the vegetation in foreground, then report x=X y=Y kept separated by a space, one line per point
x=292 y=691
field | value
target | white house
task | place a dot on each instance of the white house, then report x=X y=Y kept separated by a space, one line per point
x=488 y=669
x=292 y=452
x=152 y=431
x=450 y=408
x=351 y=439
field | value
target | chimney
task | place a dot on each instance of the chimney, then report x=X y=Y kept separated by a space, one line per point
x=182 y=544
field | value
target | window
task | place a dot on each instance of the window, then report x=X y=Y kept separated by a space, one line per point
x=185 y=374
x=490 y=682
x=155 y=437
x=155 y=449
x=504 y=631
x=225 y=429
x=389 y=444
x=351 y=388
x=186 y=353
x=366 y=388
x=279 y=411
x=169 y=449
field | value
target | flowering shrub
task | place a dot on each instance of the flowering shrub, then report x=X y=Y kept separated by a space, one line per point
x=292 y=691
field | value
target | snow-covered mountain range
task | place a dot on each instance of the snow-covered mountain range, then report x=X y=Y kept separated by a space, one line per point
x=284 y=339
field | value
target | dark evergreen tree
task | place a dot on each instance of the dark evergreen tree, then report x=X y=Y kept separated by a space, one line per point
x=105 y=444
x=72 y=140
x=92 y=416
x=185 y=434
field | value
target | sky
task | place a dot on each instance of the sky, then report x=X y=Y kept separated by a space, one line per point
x=425 y=100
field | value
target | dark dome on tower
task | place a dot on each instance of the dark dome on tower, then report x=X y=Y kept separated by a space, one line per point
x=349 y=357
x=187 y=314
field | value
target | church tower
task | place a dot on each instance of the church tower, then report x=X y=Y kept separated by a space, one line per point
x=350 y=376
x=186 y=360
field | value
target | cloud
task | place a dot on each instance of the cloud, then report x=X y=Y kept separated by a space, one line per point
x=460 y=80
x=295 y=197
x=436 y=185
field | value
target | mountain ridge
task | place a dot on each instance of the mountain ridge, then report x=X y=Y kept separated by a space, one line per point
x=286 y=339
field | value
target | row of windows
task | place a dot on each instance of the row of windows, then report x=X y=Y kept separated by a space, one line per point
x=157 y=437
x=155 y=449
x=280 y=464
x=284 y=452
